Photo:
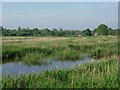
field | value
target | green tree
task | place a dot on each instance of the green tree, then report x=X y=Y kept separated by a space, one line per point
x=117 y=32
x=35 y=31
x=60 y=32
x=86 y=32
x=110 y=31
x=19 y=28
x=77 y=32
x=102 y=29
x=1 y=29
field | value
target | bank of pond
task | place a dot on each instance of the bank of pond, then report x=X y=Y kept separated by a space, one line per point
x=74 y=62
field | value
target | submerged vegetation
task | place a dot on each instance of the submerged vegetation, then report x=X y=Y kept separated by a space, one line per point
x=103 y=73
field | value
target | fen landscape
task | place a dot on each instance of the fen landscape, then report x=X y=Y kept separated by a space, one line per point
x=60 y=58
x=37 y=59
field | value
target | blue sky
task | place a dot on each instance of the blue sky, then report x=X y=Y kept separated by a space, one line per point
x=66 y=15
x=60 y=0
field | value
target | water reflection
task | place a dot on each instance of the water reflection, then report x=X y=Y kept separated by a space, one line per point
x=15 y=68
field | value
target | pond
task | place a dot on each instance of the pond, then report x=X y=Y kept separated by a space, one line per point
x=16 y=68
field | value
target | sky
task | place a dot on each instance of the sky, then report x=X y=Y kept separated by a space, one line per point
x=60 y=0
x=66 y=15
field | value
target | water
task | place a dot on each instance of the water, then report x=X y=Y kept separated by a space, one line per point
x=15 y=68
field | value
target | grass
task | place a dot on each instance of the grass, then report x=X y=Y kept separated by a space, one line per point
x=34 y=58
x=68 y=55
x=103 y=73
x=90 y=75
x=65 y=48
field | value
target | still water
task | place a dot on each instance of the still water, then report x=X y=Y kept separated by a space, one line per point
x=15 y=68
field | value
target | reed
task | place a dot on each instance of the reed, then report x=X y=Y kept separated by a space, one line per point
x=64 y=49
x=103 y=73
x=89 y=75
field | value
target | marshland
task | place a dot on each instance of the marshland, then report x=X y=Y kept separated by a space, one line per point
x=99 y=71
x=59 y=45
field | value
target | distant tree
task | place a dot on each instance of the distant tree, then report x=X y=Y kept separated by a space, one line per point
x=102 y=29
x=45 y=32
x=117 y=32
x=5 y=32
x=77 y=32
x=72 y=32
x=19 y=28
x=54 y=32
x=86 y=32
x=110 y=31
x=35 y=31
x=94 y=30
x=60 y=32
x=1 y=29
x=67 y=32
x=13 y=32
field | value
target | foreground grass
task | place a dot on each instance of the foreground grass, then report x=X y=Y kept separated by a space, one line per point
x=101 y=74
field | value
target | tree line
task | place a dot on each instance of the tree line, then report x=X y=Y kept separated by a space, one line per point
x=102 y=29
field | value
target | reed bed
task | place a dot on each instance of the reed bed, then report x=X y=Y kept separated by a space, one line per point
x=69 y=48
x=90 y=75
x=103 y=73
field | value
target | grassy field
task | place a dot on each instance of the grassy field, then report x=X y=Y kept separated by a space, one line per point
x=100 y=74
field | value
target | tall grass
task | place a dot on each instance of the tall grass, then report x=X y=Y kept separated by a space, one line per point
x=103 y=73
x=33 y=58
x=68 y=55
x=90 y=75
x=64 y=49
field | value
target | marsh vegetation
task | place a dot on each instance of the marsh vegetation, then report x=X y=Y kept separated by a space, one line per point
x=103 y=73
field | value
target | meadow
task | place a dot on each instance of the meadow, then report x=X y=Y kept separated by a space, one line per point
x=103 y=73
